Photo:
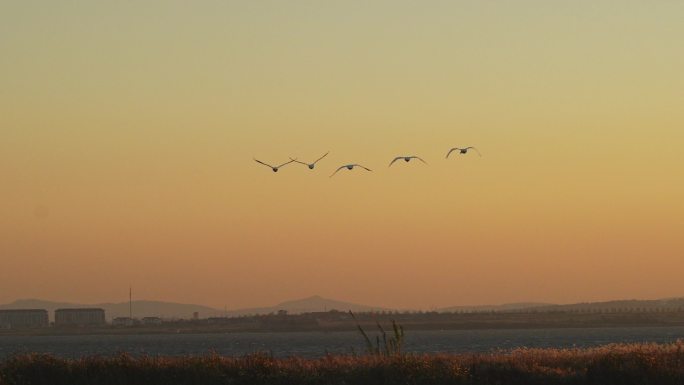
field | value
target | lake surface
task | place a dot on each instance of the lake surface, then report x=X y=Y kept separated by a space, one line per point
x=316 y=344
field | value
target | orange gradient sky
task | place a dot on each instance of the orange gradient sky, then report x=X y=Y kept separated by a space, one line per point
x=127 y=131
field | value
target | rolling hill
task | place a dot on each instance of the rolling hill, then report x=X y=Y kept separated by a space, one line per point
x=308 y=305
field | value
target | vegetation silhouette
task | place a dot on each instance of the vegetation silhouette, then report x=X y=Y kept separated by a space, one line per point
x=636 y=364
x=389 y=347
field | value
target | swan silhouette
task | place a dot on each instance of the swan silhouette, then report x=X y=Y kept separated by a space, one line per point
x=311 y=165
x=350 y=167
x=274 y=168
x=463 y=150
x=406 y=159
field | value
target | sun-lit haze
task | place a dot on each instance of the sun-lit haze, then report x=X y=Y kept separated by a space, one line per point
x=127 y=132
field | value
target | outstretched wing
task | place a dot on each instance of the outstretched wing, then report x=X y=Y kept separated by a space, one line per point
x=419 y=158
x=326 y=154
x=291 y=160
x=393 y=160
x=341 y=167
x=452 y=150
x=265 y=164
x=365 y=168
x=473 y=148
x=297 y=161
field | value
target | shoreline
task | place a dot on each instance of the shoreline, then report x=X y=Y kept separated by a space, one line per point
x=52 y=331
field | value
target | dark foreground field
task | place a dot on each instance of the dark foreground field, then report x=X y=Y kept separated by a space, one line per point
x=613 y=364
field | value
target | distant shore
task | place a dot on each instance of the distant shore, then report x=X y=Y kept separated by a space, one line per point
x=340 y=321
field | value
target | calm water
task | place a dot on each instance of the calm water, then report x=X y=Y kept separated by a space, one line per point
x=315 y=344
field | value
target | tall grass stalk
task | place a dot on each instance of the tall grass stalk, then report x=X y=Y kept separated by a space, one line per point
x=390 y=346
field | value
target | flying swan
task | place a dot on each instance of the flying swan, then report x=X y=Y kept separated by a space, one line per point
x=407 y=159
x=350 y=167
x=311 y=165
x=463 y=150
x=274 y=168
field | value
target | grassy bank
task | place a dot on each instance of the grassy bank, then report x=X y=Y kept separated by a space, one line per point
x=613 y=364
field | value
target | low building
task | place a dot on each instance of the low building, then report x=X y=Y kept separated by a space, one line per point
x=218 y=320
x=79 y=317
x=23 y=318
x=123 y=321
x=152 y=321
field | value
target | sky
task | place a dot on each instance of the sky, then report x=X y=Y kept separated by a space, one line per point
x=128 y=129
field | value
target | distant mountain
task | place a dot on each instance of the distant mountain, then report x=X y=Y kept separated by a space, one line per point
x=503 y=307
x=113 y=310
x=307 y=305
